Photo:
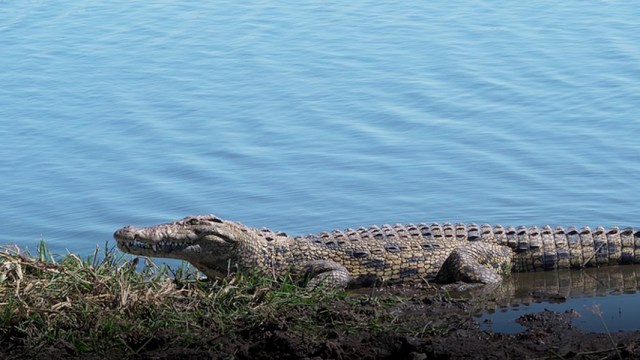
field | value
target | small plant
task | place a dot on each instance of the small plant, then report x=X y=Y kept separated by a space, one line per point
x=595 y=309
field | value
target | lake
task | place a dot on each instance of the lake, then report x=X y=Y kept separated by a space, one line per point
x=306 y=116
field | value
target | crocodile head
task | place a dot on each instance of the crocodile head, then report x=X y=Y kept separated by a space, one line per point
x=207 y=242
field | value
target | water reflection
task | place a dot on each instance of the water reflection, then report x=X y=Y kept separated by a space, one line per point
x=560 y=291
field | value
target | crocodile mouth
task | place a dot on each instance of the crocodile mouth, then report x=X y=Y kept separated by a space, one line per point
x=130 y=240
x=162 y=242
x=154 y=246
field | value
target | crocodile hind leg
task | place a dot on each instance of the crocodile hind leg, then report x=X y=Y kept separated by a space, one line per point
x=476 y=263
x=325 y=273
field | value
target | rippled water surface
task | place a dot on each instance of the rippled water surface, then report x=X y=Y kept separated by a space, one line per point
x=309 y=115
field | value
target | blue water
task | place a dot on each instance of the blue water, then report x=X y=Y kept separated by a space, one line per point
x=618 y=312
x=311 y=115
x=596 y=299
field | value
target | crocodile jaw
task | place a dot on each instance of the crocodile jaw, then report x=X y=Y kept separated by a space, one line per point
x=137 y=241
x=205 y=240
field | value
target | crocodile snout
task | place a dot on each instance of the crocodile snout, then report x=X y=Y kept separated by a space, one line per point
x=125 y=233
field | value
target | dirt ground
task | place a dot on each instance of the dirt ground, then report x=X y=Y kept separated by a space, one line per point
x=430 y=325
x=433 y=325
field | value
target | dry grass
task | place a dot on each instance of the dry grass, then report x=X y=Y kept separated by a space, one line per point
x=103 y=304
x=109 y=305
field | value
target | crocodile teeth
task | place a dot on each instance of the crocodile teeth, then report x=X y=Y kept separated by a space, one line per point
x=164 y=244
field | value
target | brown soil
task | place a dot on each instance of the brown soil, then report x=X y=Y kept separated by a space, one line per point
x=434 y=326
x=425 y=324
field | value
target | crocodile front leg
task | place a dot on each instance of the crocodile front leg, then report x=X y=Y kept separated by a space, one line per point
x=326 y=273
x=476 y=263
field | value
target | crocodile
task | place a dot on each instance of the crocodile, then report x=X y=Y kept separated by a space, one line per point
x=390 y=253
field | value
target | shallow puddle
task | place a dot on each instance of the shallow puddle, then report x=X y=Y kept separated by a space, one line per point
x=599 y=299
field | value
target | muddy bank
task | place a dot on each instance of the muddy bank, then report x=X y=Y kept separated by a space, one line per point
x=105 y=309
x=425 y=323
x=428 y=326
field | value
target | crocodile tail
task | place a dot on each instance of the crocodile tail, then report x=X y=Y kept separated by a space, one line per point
x=547 y=248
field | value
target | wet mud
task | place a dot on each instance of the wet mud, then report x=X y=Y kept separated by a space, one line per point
x=441 y=322
x=428 y=324
x=436 y=322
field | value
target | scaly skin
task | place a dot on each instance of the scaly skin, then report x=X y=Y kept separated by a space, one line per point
x=398 y=253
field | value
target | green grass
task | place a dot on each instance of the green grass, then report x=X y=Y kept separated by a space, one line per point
x=109 y=304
